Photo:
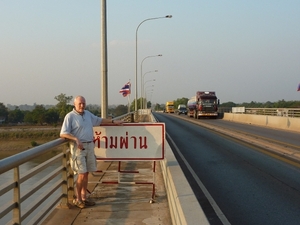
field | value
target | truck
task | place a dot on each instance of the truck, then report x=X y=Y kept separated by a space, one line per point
x=181 y=109
x=203 y=104
x=169 y=107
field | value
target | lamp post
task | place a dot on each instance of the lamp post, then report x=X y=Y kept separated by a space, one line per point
x=144 y=95
x=136 y=55
x=142 y=88
x=142 y=80
x=104 y=86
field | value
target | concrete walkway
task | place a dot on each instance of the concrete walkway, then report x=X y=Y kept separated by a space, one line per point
x=120 y=204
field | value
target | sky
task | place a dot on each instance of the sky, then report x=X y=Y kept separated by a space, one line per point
x=243 y=50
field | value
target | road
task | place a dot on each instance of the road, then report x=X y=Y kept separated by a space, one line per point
x=247 y=185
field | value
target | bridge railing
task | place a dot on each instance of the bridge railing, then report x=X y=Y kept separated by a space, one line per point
x=25 y=204
x=33 y=198
x=284 y=112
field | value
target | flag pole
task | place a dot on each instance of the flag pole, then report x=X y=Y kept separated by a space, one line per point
x=128 y=98
x=126 y=91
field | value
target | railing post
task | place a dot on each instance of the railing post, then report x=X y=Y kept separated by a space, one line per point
x=132 y=118
x=71 y=180
x=17 y=209
x=65 y=186
x=136 y=117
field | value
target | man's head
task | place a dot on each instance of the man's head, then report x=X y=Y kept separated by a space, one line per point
x=79 y=103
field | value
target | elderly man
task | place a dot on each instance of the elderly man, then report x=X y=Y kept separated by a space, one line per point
x=78 y=128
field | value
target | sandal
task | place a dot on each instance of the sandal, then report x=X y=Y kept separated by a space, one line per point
x=79 y=204
x=88 y=203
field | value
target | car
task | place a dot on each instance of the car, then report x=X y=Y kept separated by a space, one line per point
x=182 y=110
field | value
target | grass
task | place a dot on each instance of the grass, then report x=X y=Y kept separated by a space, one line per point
x=30 y=133
x=16 y=139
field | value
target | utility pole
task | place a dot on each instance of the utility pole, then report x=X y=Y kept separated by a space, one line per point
x=103 y=58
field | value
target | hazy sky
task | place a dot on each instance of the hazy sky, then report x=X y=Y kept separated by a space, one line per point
x=244 y=50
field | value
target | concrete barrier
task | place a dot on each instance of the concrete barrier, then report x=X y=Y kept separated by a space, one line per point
x=277 y=122
x=184 y=206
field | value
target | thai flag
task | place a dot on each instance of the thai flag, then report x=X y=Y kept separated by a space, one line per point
x=125 y=90
x=298 y=87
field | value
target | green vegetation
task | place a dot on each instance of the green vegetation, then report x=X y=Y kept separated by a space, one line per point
x=34 y=134
x=52 y=116
x=34 y=143
x=55 y=115
x=279 y=104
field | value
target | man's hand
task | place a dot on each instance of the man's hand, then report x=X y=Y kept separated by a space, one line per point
x=111 y=121
x=79 y=144
x=118 y=122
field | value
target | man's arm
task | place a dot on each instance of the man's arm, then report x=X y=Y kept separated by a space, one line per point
x=73 y=138
x=69 y=136
x=108 y=121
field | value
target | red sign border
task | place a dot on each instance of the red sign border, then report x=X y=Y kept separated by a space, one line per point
x=162 y=125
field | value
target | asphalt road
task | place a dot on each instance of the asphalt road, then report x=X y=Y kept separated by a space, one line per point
x=248 y=186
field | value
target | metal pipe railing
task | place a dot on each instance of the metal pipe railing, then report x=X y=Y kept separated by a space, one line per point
x=26 y=204
x=60 y=179
x=284 y=112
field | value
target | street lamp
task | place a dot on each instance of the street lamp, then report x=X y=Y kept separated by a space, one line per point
x=136 y=55
x=142 y=80
x=145 y=104
x=144 y=95
x=142 y=88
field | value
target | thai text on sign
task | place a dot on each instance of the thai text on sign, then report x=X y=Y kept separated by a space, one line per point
x=131 y=141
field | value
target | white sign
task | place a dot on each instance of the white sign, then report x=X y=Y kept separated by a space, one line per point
x=238 y=109
x=131 y=141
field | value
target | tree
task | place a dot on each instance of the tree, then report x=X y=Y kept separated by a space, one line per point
x=52 y=116
x=62 y=105
x=120 y=110
x=28 y=117
x=132 y=105
x=15 y=116
x=149 y=104
x=158 y=107
x=95 y=109
x=3 y=111
x=39 y=114
x=228 y=104
x=36 y=116
x=180 y=101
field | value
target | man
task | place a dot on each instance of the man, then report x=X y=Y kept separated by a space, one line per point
x=78 y=128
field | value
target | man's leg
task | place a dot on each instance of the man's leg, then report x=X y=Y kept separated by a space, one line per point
x=80 y=186
x=84 y=192
x=84 y=186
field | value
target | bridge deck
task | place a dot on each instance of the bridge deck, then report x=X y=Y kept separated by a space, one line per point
x=119 y=203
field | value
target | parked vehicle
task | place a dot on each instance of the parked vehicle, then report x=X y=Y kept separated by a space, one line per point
x=204 y=104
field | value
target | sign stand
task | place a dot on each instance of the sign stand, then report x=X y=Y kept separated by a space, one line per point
x=130 y=142
x=138 y=171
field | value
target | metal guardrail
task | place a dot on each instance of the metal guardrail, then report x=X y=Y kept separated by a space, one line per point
x=284 y=112
x=128 y=117
x=61 y=181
